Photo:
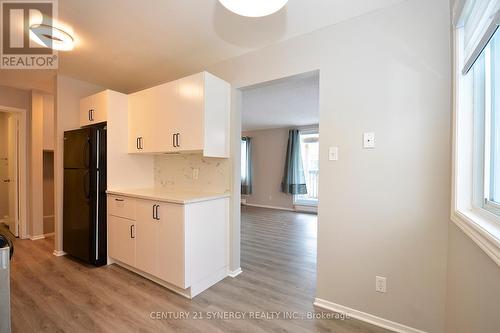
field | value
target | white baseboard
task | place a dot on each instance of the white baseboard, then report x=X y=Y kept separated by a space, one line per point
x=234 y=273
x=270 y=207
x=366 y=317
x=59 y=253
x=306 y=209
x=50 y=234
x=34 y=238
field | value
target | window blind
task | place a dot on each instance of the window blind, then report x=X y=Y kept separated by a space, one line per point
x=480 y=20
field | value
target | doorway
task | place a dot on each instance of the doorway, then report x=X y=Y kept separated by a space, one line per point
x=13 y=189
x=9 y=180
x=279 y=175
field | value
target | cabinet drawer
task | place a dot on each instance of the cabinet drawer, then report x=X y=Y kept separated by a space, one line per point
x=121 y=206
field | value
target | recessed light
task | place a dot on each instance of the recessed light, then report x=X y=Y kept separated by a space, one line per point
x=48 y=36
x=253 y=8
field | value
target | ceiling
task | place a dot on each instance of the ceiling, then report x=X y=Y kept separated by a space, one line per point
x=288 y=102
x=128 y=45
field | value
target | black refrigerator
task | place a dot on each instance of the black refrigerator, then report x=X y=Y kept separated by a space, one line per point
x=84 y=224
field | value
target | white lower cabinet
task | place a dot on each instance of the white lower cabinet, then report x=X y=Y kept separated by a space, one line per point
x=121 y=239
x=181 y=246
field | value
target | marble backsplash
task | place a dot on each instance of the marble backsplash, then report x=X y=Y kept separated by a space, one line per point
x=175 y=172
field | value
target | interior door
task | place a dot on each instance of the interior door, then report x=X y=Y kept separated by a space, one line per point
x=13 y=139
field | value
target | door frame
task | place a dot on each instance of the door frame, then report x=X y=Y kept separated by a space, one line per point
x=22 y=187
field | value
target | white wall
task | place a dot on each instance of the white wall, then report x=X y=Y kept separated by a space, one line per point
x=383 y=211
x=69 y=91
x=42 y=138
x=36 y=165
x=473 y=287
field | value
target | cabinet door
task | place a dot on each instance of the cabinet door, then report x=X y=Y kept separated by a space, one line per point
x=100 y=107
x=121 y=239
x=171 y=253
x=139 y=115
x=147 y=238
x=190 y=112
x=164 y=122
x=85 y=110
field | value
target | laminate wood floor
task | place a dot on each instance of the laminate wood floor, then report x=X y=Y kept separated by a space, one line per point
x=58 y=294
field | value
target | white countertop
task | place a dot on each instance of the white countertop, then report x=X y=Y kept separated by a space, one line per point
x=158 y=194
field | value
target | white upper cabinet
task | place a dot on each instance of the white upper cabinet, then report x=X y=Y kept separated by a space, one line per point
x=187 y=115
x=94 y=109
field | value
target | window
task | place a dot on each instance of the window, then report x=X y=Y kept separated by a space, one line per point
x=486 y=105
x=246 y=166
x=244 y=157
x=476 y=155
x=309 y=147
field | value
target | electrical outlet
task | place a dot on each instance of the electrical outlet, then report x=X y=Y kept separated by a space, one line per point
x=333 y=153
x=380 y=284
x=369 y=140
x=196 y=174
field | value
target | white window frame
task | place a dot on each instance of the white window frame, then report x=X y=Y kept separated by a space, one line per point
x=480 y=224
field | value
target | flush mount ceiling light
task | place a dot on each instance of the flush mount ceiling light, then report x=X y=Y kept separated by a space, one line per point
x=253 y=8
x=48 y=36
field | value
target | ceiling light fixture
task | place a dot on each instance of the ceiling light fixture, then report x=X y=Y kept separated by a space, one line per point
x=253 y=8
x=55 y=38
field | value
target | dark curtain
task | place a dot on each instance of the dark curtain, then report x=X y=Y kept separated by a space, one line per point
x=294 y=180
x=246 y=180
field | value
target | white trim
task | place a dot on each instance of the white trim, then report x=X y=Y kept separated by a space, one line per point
x=50 y=234
x=306 y=208
x=234 y=273
x=35 y=238
x=270 y=207
x=365 y=317
x=59 y=253
x=486 y=241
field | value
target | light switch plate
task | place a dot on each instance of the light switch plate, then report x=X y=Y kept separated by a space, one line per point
x=369 y=140
x=333 y=154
